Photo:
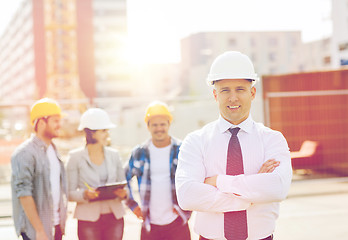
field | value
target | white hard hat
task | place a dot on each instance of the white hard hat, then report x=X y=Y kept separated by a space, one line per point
x=232 y=65
x=95 y=119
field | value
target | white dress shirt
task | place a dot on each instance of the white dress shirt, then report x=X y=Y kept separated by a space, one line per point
x=203 y=154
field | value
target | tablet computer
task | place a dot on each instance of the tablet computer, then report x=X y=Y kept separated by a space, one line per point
x=107 y=191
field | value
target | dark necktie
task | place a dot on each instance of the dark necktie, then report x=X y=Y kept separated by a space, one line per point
x=235 y=223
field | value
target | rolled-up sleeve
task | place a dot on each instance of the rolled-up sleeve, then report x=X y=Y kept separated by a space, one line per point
x=23 y=170
x=193 y=194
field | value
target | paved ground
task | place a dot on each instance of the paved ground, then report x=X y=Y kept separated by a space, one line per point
x=315 y=209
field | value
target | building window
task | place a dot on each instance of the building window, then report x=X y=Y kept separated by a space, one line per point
x=273 y=42
x=232 y=42
x=301 y=68
x=253 y=57
x=343 y=46
x=293 y=42
x=327 y=60
x=272 y=56
x=326 y=42
x=252 y=42
x=344 y=62
x=272 y=70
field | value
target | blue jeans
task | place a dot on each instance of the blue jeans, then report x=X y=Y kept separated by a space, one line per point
x=107 y=227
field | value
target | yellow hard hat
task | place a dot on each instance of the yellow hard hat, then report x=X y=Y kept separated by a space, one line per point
x=157 y=109
x=43 y=108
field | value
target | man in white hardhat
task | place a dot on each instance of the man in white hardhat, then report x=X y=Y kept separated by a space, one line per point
x=233 y=171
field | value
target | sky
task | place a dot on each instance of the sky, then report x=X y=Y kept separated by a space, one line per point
x=155 y=27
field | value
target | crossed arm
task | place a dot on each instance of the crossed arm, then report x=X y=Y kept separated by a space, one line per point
x=222 y=193
x=267 y=167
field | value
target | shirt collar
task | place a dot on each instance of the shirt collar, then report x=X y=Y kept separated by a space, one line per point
x=39 y=142
x=245 y=126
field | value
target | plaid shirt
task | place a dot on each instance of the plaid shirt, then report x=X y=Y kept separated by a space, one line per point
x=139 y=166
x=31 y=177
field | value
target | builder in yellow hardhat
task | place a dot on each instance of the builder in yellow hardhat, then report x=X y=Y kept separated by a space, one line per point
x=38 y=178
x=162 y=217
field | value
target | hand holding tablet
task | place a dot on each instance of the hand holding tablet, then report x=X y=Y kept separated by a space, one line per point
x=111 y=191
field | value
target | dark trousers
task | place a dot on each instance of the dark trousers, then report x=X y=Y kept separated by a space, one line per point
x=173 y=231
x=57 y=234
x=107 y=227
x=267 y=238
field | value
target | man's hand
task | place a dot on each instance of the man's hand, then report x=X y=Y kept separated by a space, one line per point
x=41 y=235
x=138 y=213
x=211 y=180
x=269 y=166
x=30 y=210
x=121 y=193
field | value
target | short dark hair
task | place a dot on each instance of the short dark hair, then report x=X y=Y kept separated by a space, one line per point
x=89 y=136
x=45 y=119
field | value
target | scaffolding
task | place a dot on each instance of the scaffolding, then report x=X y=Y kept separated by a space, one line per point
x=61 y=51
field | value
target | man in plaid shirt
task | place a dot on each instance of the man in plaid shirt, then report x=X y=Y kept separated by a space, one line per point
x=162 y=217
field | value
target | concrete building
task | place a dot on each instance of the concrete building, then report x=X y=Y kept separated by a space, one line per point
x=22 y=59
x=71 y=51
x=58 y=48
x=316 y=55
x=109 y=37
x=339 y=13
x=22 y=66
x=271 y=53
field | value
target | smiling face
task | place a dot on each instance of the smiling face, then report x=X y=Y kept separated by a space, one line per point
x=158 y=126
x=49 y=127
x=234 y=97
x=101 y=136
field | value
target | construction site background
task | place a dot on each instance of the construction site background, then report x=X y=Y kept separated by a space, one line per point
x=189 y=114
